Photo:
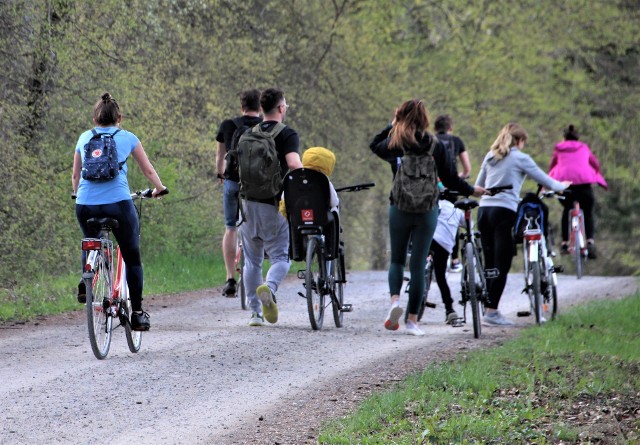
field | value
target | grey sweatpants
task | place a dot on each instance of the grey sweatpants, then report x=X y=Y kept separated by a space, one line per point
x=264 y=230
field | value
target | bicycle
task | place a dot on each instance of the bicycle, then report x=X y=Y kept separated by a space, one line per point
x=577 y=245
x=540 y=274
x=473 y=279
x=239 y=265
x=428 y=278
x=107 y=293
x=315 y=238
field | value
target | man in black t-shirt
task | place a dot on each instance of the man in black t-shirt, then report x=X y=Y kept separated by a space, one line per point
x=250 y=107
x=264 y=228
x=457 y=150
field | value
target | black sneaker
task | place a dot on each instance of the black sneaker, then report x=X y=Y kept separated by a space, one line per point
x=82 y=292
x=591 y=251
x=229 y=289
x=140 y=321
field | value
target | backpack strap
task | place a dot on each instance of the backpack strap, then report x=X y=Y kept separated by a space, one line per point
x=274 y=132
x=238 y=122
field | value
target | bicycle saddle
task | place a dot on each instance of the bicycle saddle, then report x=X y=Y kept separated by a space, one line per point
x=99 y=223
x=466 y=204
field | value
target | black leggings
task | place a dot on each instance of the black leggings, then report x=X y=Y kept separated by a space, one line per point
x=440 y=256
x=583 y=193
x=495 y=225
x=128 y=236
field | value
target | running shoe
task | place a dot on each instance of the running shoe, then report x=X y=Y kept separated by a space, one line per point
x=496 y=319
x=256 y=319
x=269 y=306
x=229 y=289
x=412 y=329
x=140 y=321
x=392 y=323
x=455 y=267
x=82 y=292
x=452 y=316
x=591 y=250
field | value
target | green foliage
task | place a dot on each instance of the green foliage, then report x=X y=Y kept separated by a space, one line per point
x=176 y=69
x=521 y=392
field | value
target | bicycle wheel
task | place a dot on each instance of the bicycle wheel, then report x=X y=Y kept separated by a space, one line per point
x=469 y=270
x=314 y=282
x=428 y=273
x=535 y=295
x=554 y=302
x=338 y=290
x=99 y=319
x=244 y=302
x=134 y=338
x=577 y=252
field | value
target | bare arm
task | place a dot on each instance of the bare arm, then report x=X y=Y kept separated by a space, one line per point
x=147 y=169
x=220 y=167
x=466 y=165
x=75 y=175
x=293 y=161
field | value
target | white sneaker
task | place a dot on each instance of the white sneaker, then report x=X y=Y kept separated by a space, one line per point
x=457 y=267
x=256 y=319
x=413 y=329
x=393 y=319
x=496 y=319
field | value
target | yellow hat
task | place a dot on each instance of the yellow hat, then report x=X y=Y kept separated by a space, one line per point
x=320 y=159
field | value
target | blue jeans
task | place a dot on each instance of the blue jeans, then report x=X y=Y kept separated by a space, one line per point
x=128 y=236
x=230 y=202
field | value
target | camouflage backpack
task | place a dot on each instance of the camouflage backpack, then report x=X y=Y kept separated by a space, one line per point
x=415 y=188
x=258 y=164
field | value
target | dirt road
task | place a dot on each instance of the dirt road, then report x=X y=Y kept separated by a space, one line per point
x=204 y=377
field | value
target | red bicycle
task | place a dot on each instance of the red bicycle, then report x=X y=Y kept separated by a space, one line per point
x=577 y=245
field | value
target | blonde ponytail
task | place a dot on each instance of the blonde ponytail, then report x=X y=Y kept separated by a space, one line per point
x=510 y=135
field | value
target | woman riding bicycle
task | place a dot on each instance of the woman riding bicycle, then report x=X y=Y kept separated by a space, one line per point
x=573 y=161
x=505 y=164
x=112 y=199
x=407 y=135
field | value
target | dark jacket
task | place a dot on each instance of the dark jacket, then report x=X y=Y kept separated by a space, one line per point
x=446 y=171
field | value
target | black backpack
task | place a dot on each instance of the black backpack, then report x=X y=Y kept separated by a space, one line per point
x=415 y=186
x=231 y=158
x=101 y=158
x=532 y=213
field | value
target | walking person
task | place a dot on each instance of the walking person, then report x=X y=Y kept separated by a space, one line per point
x=112 y=199
x=505 y=164
x=573 y=160
x=444 y=238
x=444 y=132
x=265 y=229
x=406 y=144
x=227 y=136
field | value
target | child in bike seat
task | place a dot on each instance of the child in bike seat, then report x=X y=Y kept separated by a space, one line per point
x=449 y=220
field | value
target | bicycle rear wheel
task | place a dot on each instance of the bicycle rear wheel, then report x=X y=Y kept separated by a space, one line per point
x=469 y=271
x=314 y=284
x=99 y=319
x=428 y=273
x=533 y=288
x=338 y=290
x=134 y=338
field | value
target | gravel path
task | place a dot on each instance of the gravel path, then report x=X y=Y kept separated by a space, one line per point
x=204 y=377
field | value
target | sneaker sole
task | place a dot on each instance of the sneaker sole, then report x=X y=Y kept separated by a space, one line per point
x=256 y=324
x=269 y=307
x=393 y=322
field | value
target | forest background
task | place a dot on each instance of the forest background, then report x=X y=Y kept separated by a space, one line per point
x=176 y=68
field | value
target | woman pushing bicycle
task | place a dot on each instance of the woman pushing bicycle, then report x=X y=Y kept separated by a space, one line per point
x=413 y=152
x=505 y=164
x=99 y=197
x=572 y=160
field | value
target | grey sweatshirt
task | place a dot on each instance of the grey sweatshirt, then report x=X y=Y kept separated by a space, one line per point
x=511 y=170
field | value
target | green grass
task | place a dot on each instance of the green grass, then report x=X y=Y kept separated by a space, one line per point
x=521 y=392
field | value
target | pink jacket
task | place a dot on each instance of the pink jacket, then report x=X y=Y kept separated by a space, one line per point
x=573 y=161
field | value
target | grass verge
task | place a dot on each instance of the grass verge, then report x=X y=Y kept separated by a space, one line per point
x=574 y=380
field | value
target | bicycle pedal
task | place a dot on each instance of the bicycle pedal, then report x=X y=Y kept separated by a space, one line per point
x=558 y=269
x=302 y=295
x=491 y=273
x=301 y=274
x=457 y=323
x=346 y=308
x=429 y=304
x=524 y=313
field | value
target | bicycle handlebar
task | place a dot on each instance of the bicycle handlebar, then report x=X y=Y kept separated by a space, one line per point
x=356 y=187
x=148 y=193
x=500 y=188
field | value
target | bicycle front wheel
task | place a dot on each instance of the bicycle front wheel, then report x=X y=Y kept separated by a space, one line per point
x=469 y=271
x=134 y=338
x=314 y=284
x=99 y=319
x=338 y=290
